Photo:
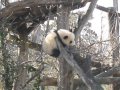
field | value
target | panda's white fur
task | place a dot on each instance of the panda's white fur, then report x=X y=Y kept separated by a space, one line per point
x=49 y=44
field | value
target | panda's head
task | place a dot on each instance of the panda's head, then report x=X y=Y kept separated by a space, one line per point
x=67 y=37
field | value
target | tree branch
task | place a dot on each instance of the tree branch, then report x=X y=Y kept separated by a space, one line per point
x=19 y=5
x=110 y=72
x=106 y=9
x=89 y=82
x=50 y=81
x=103 y=8
x=40 y=69
x=85 y=18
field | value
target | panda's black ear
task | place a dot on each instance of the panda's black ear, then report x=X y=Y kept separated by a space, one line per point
x=70 y=30
x=73 y=30
x=65 y=37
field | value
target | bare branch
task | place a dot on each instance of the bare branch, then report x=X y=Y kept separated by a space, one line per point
x=109 y=72
x=90 y=83
x=106 y=9
x=19 y=5
x=40 y=69
x=50 y=81
x=103 y=8
x=85 y=18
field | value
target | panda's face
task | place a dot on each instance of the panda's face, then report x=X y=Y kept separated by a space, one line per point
x=67 y=37
x=68 y=40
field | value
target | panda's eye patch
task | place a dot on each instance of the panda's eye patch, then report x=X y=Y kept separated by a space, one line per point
x=70 y=42
x=65 y=37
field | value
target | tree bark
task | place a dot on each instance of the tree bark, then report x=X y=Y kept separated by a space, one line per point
x=21 y=70
x=114 y=30
x=64 y=69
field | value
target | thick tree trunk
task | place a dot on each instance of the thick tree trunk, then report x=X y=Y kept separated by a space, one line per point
x=65 y=70
x=21 y=70
x=115 y=35
x=8 y=75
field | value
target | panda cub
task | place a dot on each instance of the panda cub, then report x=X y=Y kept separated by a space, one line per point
x=65 y=37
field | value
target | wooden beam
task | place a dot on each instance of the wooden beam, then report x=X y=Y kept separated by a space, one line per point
x=105 y=9
x=51 y=81
x=16 y=6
